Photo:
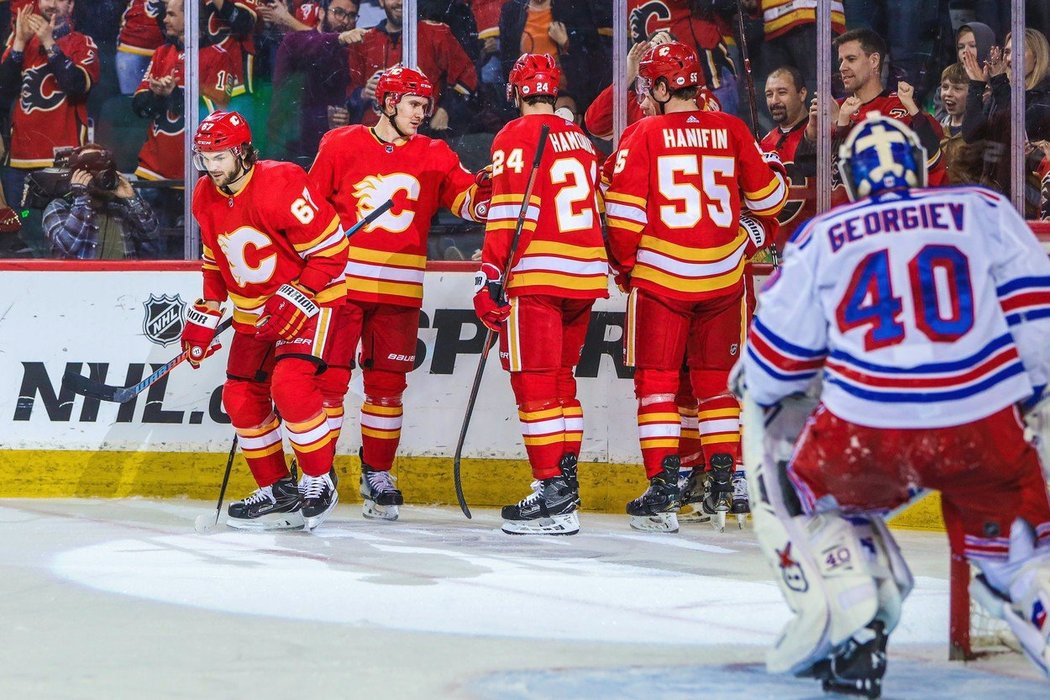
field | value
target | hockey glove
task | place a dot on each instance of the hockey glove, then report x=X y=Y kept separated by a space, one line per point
x=199 y=331
x=489 y=304
x=772 y=159
x=760 y=233
x=482 y=194
x=623 y=281
x=286 y=312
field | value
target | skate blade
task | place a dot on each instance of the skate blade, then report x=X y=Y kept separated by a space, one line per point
x=567 y=524
x=691 y=514
x=373 y=511
x=718 y=520
x=274 y=521
x=661 y=522
x=315 y=521
x=741 y=519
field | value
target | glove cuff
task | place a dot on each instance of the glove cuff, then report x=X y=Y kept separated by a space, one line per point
x=199 y=314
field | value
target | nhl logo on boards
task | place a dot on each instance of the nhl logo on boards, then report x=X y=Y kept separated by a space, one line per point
x=163 y=322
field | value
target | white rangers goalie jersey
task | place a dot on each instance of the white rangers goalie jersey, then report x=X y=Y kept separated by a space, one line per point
x=925 y=309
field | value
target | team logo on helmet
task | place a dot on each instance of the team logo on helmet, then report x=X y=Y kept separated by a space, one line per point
x=881 y=154
x=163 y=322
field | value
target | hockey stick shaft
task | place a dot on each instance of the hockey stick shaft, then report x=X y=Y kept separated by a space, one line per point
x=372 y=216
x=479 y=373
x=226 y=477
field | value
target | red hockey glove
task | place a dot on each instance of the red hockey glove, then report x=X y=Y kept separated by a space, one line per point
x=772 y=159
x=760 y=233
x=622 y=280
x=199 y=331
x=482 y=194
x=286 y=312
x=489 y=304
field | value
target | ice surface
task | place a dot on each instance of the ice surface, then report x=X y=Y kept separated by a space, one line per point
x=123 y=599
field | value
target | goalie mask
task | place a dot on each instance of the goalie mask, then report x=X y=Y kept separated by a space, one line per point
x=881 y=154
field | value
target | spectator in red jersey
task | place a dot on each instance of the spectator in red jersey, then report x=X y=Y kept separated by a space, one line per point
x=51 y=68
x=861 y=53
x=311 y=76
x=786 y=100
x=140 y=35
x=440 y=57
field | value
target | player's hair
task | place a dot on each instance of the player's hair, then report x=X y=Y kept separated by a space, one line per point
x=540 y=99
x=687 y=93
x=870 y=42
x=249 y=156
x=1035 y=41
x=955 y=73
x=794 y=73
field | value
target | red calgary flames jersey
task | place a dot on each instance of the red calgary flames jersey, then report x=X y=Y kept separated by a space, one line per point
x=357 y=172
x=441 y=59
x=705 y=35
x=674 y=202
x=140 y=31
x=161 y=155
x=45 y=117
x=277 y=229
x=560 y=251
x=801 y=203
x=218 y=32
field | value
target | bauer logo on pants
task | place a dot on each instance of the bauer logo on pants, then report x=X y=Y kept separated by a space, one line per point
x=163 y=320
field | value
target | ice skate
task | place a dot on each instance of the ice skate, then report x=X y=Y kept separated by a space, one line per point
x=274 y=507
x=857 y=666
x=741 y=505
x=719 y=500
x=692 y=486
x=319 y=497
x=381 y=497
x=551 y=508
x=656 y=509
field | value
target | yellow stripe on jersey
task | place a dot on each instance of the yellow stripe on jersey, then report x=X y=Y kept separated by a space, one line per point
x=534 y=200
x=383 y=257
x=366 y=285
x=565 y=250
x=559 y=280
x=691 y=254
x=689 y=286
x=765 y=191
x=614 y=196
x=510 y=225
x=332 y=226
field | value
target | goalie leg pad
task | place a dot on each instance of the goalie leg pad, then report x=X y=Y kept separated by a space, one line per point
x=892 y=576
x=821 y=567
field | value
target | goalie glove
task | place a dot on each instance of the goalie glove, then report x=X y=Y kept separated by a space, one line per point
x=489 y=304
x=286 y=312
x=199 y=331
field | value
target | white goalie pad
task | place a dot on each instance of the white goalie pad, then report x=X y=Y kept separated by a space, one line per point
x=818 y=560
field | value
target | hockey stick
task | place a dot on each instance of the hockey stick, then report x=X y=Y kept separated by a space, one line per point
x=201 y=524
x=92 y=388
x=456 y=475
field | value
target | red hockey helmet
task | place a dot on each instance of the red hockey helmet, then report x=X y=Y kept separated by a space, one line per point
x=220 y=131
x=400 y=81
x=534 y=74
x=673 y=62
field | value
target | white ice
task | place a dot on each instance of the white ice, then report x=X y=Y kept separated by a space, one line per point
x=122 y=599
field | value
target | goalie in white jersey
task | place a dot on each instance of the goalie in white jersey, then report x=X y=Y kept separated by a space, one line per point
x=928 y=312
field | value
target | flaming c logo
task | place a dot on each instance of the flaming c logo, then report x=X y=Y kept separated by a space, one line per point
x=372 y=191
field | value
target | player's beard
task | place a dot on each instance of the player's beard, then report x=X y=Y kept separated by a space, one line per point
x=226 y=179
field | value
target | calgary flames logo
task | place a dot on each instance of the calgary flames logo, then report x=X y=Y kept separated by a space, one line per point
x=249 y=253
x=374 y=190
x=40 y=90
x=647 y=18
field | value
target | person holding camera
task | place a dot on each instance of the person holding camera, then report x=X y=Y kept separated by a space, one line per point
x=101 y=217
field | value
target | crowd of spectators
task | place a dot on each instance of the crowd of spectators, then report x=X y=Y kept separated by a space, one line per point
x=111 y=71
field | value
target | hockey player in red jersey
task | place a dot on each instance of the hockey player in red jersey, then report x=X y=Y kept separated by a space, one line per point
x=358 y=168
x=558 y=269
x=274 y=247
x=927 y=313
x=678 y=240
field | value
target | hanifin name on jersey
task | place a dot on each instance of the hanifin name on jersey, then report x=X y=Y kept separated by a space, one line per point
x=696 y=138
x=941 y=216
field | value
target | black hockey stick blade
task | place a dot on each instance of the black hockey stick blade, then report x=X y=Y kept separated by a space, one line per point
x=94 y=389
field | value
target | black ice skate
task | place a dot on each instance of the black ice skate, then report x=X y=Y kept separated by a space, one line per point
x=741 y=505
x=381 y=497
x=319 y=497
x=856 y=667
x=719 y=499
x=656 y=509
x=274 y=507
x=692 y=486
x=551 y=507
